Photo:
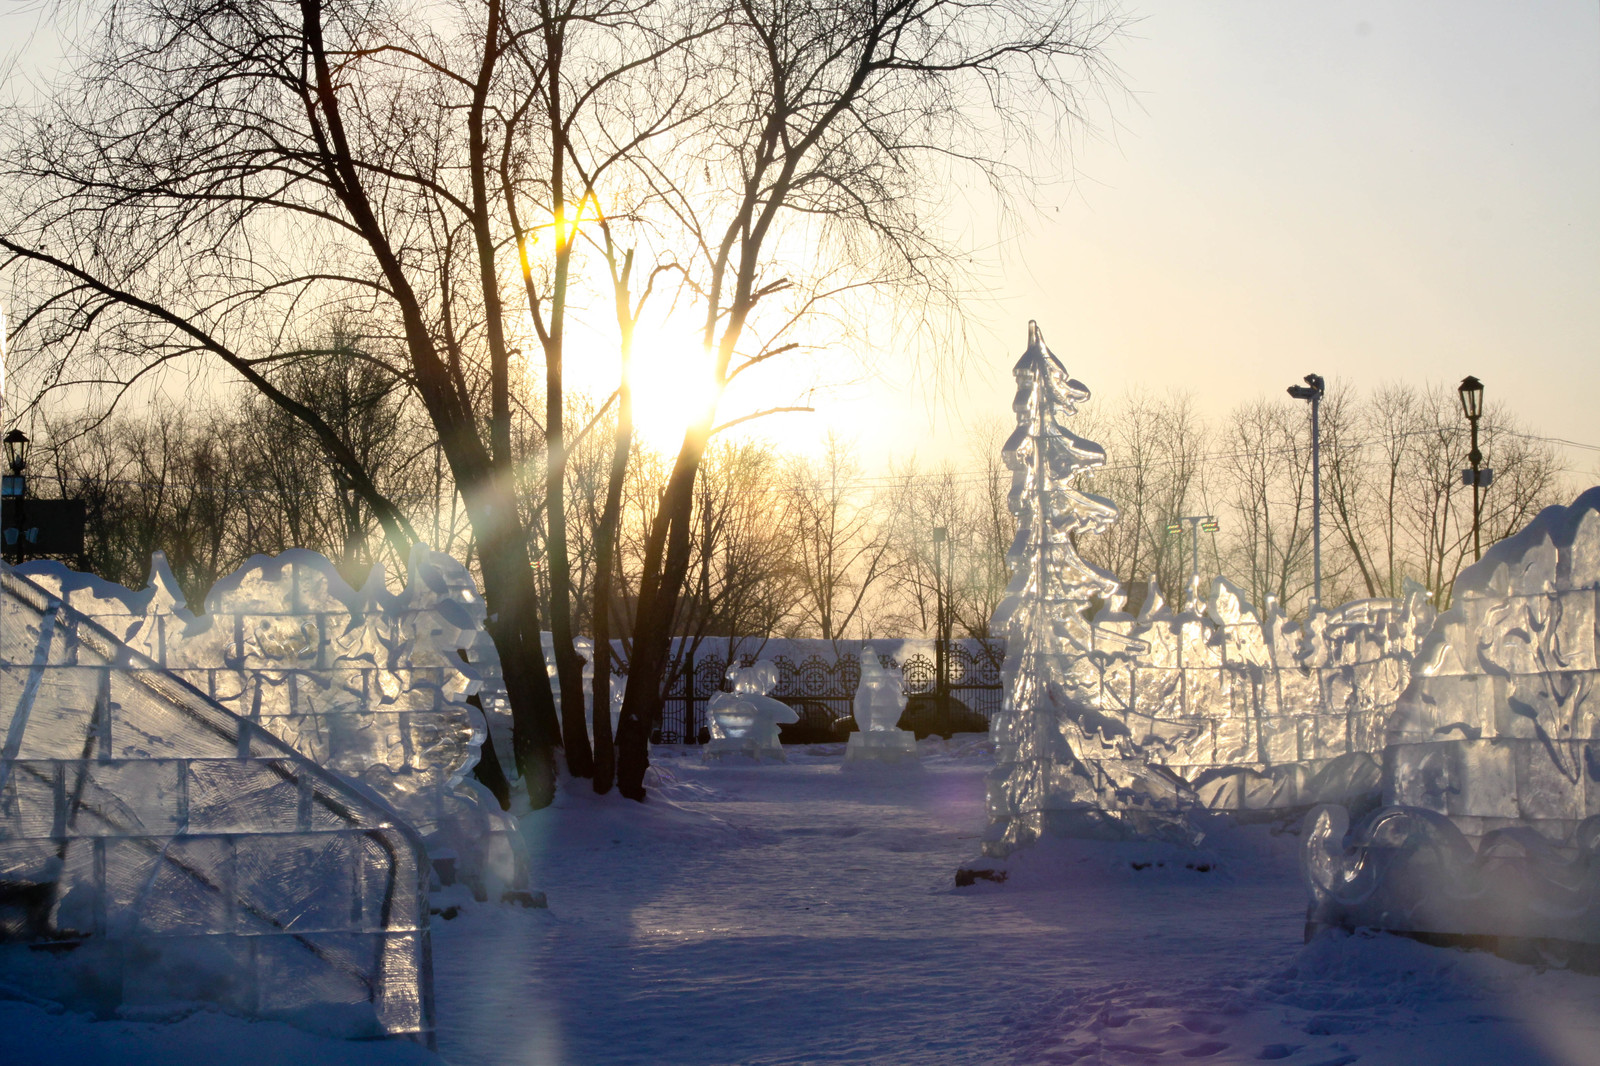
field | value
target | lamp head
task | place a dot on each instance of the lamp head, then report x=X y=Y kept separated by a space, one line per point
x=1312 y=389
x=17 y=448
x=1471 y=390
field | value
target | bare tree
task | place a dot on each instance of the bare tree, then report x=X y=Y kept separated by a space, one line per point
x=840 y=535
x=816 y=174
x=1154 y=474
x=1265 y=470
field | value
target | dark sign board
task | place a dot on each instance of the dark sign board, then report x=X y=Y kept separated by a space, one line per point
x=46 y=527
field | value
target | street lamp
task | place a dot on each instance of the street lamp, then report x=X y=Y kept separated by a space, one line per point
x=17 y=447
x=1196 y=523
x=940 y=654
x=1471 y=390
x=1312 y=391
x=13 y=487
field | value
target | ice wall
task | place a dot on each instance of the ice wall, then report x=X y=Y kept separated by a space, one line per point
x=1501 y=724
x=366 y=683
x=157 y=848
x=1251 y=712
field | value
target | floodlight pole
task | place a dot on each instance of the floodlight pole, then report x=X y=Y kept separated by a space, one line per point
x=1312 y=390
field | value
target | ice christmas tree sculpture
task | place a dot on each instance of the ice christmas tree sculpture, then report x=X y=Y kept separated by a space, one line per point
x=1041 y=783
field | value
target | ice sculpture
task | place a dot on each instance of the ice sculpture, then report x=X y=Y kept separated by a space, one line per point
x=744 y=723
x=157 y=848
x=880 y=700
x=1040 y=784
x=1119 y=724
x=1492 y=763
x=1411 y=871
x=362 y=682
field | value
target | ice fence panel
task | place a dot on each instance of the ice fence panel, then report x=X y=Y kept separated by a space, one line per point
x=156 y=848
x=378 y=687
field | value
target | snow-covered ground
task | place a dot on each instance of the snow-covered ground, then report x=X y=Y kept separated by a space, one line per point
x=801 y=914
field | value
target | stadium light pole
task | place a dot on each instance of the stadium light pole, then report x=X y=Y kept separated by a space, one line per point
x=1312 y=391
x=1196 y=523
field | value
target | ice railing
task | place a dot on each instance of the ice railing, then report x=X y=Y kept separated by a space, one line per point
x=368 y=684
x=156 y=848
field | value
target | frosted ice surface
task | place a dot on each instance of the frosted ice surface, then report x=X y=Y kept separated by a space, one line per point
x=745 y=722
x=1501 y=725
x=362 y=682
x=157 y=847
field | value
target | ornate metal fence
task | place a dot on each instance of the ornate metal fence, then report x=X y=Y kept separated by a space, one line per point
x=823 y=692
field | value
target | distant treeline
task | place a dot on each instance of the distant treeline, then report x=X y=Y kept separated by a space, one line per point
x=787 y=546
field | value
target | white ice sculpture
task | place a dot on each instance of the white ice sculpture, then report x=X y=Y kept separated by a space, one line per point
x=584 y=646
x=744 y=723
x=368 y=684
x=1492 y=766
x=156 y=848
x=880 y=700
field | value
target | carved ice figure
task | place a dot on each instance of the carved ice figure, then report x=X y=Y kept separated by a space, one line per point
x=880 y=697
x=1120 y=723
x=744 y=723
x=157 y=848
x=880 y=700
x=369 y=684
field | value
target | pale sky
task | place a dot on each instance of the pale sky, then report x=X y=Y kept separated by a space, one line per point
x=1372 y=191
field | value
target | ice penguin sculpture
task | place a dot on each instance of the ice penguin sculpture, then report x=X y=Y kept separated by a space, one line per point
x=879 y=702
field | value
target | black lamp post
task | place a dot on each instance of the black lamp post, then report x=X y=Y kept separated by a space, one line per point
x=14 y=487
x=1312 y=390
x=1471 y=390
x=940 y=654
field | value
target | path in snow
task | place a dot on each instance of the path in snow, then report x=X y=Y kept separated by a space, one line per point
x=797 y=914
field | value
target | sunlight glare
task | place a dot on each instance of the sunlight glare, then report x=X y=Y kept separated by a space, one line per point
x=672 y=384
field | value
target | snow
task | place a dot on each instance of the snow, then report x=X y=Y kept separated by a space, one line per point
x=794 y=913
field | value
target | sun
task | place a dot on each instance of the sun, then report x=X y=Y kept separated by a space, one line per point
x=672 y=384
